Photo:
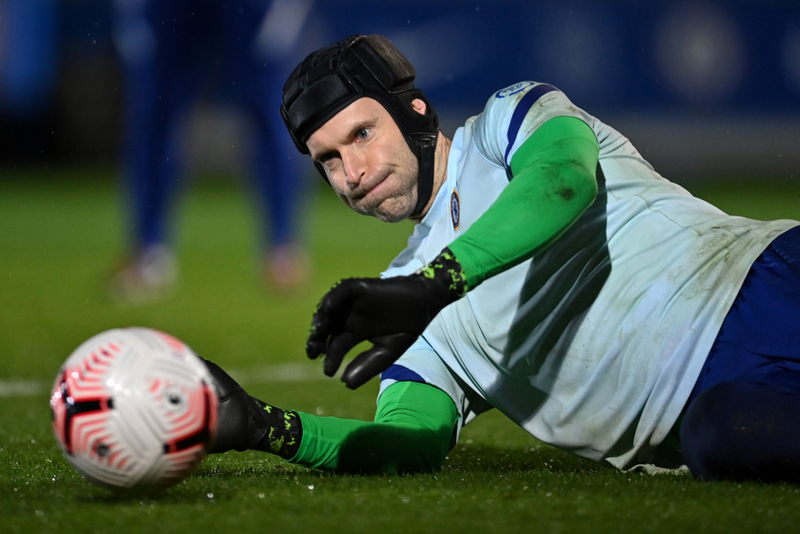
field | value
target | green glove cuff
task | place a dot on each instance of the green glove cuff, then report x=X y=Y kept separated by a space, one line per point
x=446 y=271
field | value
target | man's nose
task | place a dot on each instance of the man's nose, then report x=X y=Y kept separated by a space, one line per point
x=355 y=167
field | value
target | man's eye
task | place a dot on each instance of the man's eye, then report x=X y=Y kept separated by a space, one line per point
x=362 y=133
x=327 y=158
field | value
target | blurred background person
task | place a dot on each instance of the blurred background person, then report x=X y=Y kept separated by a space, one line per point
x=656 y=70
x=173 y=53
x=29 y=68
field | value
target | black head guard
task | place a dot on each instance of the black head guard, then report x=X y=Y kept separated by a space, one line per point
x=332 y=78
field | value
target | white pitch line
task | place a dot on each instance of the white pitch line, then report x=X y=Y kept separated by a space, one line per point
x=285 y=372
x=21 y=388
x=281 y=373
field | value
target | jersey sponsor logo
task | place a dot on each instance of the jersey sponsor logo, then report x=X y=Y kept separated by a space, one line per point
x=514 y=89
x=455 y=210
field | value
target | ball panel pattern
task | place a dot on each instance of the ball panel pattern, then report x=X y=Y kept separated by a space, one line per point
x=134 y=409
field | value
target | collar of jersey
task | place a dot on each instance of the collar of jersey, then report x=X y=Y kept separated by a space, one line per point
x=441 y=203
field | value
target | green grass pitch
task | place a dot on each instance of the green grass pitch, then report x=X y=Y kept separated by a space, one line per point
x=60 y=234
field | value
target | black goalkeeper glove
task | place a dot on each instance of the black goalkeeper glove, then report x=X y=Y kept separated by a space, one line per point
x=391 y=313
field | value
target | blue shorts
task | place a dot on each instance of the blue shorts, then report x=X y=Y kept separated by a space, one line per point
x=760 y=337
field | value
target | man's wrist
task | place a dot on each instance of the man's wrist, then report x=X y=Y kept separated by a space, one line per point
x=448 y=272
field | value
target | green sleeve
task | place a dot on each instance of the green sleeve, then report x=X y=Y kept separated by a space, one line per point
x=412 y=432
x=553 y=184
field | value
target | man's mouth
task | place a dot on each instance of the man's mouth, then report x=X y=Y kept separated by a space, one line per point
x=367 y=191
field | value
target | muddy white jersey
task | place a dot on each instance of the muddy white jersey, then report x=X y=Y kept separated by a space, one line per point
x=594 y=344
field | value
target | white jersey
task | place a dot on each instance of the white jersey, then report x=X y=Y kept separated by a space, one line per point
x=595 y=344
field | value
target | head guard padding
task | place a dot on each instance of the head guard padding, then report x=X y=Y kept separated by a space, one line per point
x=332 y=78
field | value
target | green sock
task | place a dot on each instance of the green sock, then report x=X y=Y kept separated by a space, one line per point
x=412 y=432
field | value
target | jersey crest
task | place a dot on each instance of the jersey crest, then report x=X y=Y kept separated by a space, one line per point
x=455 y=210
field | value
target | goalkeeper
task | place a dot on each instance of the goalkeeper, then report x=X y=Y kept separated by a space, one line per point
x=552 y=274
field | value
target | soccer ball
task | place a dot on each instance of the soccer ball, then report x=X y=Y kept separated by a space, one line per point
x=134 y=410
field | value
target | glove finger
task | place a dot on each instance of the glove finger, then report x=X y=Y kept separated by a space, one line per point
x=319 y=332
x=328 y=319
x=317 y=336
x=314 y=348
x=370 y=363
x=322 y=324
x=340 y=297
x=336 y=350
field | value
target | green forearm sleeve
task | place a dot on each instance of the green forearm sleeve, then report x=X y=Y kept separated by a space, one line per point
x=554 y=183
x=412 y=432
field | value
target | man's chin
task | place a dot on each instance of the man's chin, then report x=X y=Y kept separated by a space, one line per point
x=390 y=218
x=390 y=214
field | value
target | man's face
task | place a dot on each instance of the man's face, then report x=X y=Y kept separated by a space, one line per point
x=368 y=161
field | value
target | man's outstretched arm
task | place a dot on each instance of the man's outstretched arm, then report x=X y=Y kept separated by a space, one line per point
x=553 y=184
x=412 y=431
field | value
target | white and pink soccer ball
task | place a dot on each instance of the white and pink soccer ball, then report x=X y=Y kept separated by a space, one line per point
x=134 y=409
